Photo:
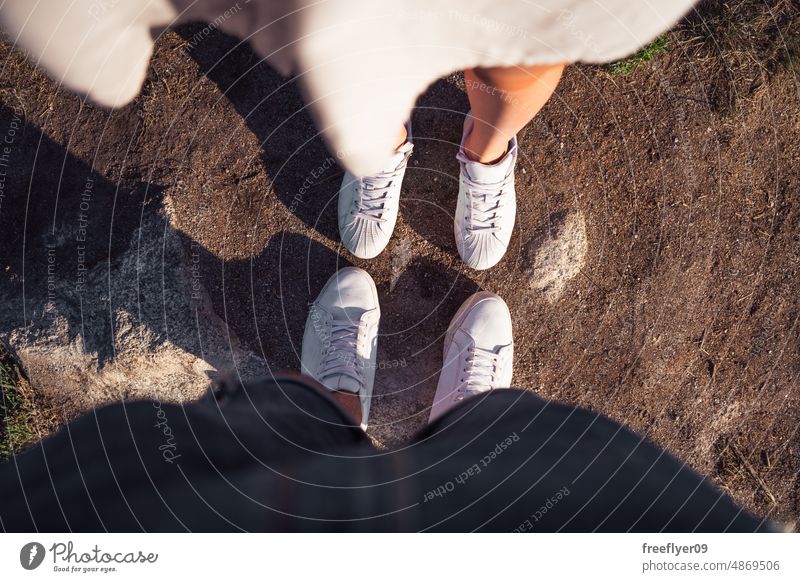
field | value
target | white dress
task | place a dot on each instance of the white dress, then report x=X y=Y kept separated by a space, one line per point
x=360 y=63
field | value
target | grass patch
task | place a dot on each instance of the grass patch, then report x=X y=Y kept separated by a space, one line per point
x=734 y=45
x=646 y=54
x=18 y=413
x=747 y=33
x=737 y=45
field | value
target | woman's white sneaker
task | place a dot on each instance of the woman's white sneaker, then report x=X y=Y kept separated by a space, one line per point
x=478 y=352
x=341 y=336
x=487 y=206
x=368 y=206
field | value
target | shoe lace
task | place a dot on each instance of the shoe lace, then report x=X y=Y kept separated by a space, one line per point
x=373 y=193
x=340 y=356
x=486 y=202
x=479 y=372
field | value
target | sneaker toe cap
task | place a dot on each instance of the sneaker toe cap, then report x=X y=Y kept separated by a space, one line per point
x=481 y=251
x=366 y=239
x=489 y=321
x=349 y=287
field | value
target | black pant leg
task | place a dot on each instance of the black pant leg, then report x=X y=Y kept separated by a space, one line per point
x=503 y=462
x=212 y=465
x=510 y=461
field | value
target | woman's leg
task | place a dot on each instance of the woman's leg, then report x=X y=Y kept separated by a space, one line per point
x=504 y=100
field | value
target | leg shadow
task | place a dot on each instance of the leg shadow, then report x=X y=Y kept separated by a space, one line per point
x=272 y=109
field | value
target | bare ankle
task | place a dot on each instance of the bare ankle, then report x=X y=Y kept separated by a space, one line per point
x=402 y=137
x=351 y=403
x=486 y=152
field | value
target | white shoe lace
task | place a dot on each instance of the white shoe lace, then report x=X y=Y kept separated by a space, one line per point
x=340 y=356
x=373 y=193
x=478 y=374
x=486 y=202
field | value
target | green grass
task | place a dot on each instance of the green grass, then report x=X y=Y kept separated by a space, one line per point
x=16 y=410
x=738 y=45
x=748 y=33
x=646 y=54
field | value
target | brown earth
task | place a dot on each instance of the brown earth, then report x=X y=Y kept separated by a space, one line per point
x=653 y=273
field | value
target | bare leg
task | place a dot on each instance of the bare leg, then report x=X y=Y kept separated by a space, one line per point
x=402 y=137
x=504 y=100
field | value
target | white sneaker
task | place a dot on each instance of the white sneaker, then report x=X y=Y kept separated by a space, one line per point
x=478 y=352
x=368 y=206
x=341 y=336
x=487 y=206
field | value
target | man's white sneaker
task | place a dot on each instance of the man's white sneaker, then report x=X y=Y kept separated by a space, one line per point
x=478 y=352
x=368 y=206
x=487 y=206
x=341 y=336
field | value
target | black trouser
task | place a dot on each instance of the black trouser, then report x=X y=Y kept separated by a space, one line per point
x=282 y=455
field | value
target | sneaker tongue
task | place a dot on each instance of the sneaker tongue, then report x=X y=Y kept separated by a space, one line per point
x=398 y=156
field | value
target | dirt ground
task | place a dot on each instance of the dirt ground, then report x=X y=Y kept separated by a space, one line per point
x=653 y=274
